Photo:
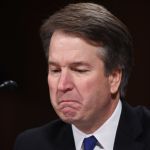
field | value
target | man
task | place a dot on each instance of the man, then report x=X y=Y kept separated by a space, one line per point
x=89 y=54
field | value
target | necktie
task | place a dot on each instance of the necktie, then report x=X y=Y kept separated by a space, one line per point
x=89 y=143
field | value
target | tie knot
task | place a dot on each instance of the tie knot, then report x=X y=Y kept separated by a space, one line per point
x=89 y=143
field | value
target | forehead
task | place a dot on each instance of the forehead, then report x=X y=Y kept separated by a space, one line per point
x=67 y=47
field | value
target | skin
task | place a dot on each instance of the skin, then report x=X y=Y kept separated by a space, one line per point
x=80 y=92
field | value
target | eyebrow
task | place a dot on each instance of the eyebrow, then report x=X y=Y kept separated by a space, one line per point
x=52 y=63
x=80 y=63
x=73 y=64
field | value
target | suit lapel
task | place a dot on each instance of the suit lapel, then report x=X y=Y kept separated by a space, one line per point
x=129 y=130
x=128 y=136
x=65 y=140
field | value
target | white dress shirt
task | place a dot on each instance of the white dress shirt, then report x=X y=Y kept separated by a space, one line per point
x=105 y=134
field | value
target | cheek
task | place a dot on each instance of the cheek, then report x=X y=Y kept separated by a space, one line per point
x=94 y=89
x=52 y=82
x=52 y=87
x=87 y=88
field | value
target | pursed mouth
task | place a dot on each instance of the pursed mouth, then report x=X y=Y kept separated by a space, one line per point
x=68 y=101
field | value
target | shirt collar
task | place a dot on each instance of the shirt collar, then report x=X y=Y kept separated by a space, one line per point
x=105 y=134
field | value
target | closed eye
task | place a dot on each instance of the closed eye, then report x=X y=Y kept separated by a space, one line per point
x=80 y=70
x=80 y=67
x=54 y=70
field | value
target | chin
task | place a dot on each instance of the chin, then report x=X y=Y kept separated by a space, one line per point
x=68 y=118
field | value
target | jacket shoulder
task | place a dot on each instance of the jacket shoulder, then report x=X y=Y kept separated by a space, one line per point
x=39 y=138
x=143 y=114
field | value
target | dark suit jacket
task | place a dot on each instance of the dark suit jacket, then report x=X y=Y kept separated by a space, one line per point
x=133 y=133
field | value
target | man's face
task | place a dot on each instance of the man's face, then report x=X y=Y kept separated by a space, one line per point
x=79 y=90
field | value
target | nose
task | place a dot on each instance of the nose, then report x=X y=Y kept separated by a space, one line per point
x=65 y=82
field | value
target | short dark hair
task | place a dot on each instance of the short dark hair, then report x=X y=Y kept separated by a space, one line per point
x=97 y=25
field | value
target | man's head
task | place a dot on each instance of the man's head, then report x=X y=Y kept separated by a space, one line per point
x=89 y=58
x=99 y=27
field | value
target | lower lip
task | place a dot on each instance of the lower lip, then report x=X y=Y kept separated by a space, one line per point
x=72 y=104
x=69 y=108
x=68 y=101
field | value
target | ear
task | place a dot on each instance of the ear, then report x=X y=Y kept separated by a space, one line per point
x=115 y=80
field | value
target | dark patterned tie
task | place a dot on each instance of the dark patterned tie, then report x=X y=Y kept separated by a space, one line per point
x=89 y=143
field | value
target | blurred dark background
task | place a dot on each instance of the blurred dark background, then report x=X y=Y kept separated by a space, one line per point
x=22 y=60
